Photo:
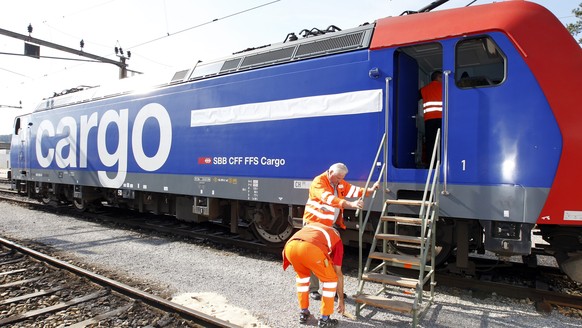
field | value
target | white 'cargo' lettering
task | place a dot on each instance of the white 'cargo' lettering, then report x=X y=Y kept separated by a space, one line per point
x=157 y=112
x=48 y=128
x=73 y=142
x=69 y=141
x=118 y=157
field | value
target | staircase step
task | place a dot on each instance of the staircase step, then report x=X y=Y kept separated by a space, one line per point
x=401 y=261
x=410 y=202
x=403 y=219
x=384 y=303
x=390 y=280
x=402 y=238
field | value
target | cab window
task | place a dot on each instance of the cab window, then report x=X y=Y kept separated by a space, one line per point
x=479 y=63
x=17 y=126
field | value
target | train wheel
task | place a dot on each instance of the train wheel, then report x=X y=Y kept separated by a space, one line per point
x=80 y=204
x=270 y=225
x=571 y=264
x=272 y=236
x=22 y=191
x=566 y=246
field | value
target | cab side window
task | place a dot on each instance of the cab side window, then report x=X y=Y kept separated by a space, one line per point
x=17 y=126
x=479 y=63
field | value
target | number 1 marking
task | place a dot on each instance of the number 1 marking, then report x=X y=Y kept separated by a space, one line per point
x=463 y=162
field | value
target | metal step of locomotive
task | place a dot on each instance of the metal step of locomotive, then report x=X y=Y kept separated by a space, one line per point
x=399 y=293
x=415 y=252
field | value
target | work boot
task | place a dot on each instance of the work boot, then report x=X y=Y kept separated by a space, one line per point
x=327 y=323
x=304 y=316
x=315 y=296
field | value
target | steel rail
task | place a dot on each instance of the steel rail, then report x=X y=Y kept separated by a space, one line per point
x=153 y=300
x=513 y=291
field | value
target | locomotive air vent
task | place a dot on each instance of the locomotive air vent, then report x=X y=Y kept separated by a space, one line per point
x=179 y=76
x=230 y=65
x=328 y=43
x=270 y=57
x=334 y=44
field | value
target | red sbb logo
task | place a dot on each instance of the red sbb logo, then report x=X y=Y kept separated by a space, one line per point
x=204 y=160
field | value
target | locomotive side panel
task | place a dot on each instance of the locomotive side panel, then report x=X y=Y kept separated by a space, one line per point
x=494 y=137
x=219 y=136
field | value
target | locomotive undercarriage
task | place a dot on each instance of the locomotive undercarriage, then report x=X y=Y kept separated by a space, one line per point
x=565 y=245
x=268 y=222
x=273 y=224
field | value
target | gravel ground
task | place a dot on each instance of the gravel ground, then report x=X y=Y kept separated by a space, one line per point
x=249 y=290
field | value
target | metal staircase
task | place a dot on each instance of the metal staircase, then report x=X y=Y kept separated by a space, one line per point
x=414 y=240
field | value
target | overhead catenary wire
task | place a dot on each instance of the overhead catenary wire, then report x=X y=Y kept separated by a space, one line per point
x=168 y=34
x=206 y=23
x=13 y=72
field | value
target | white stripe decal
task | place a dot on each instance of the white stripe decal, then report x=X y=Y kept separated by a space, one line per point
x=320 y=215
x=348 y=103
x=302 y=280
x=327 y=237
x=325 y=293
x=319 y=206
x=329 y=284
x=433 y=103
x=302 y=289
x=353 y=192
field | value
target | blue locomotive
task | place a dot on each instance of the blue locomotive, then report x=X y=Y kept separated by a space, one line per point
x=236 y=141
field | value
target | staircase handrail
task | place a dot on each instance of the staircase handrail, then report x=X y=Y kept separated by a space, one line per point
x=362 y=225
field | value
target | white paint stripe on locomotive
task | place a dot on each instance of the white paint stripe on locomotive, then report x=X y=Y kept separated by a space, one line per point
x=348 y=103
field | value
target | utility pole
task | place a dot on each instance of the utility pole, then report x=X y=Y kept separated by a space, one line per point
x=27 y=38
x=10 y=106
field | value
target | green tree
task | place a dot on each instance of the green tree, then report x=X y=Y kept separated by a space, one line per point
x=576 y=28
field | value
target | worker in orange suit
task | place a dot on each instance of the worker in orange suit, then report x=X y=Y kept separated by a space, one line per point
x=317 y=248
x=432 y=106
x=327 y=201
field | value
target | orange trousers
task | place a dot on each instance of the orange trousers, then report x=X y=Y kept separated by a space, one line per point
x=305 y=258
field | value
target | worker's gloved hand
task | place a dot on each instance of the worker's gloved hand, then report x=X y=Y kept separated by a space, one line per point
x=357 y=204
x=374 y=187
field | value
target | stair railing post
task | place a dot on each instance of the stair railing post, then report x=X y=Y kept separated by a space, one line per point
x=446 y=132
x=362 y=223
x=386 y=127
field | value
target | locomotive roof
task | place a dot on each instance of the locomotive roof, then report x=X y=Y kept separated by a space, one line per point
x=287 y=51
x=307 y=47
x=513 y=17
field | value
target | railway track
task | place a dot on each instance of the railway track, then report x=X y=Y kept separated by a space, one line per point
x=38 y=290
x=547 y=287
x=517 y=280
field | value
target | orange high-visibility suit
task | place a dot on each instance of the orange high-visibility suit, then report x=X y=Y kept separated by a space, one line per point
x=315 y=248
x=432 y=100
x=324 y=204
x=432 y=103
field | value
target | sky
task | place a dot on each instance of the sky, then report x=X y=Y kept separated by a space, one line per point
x=165 y=36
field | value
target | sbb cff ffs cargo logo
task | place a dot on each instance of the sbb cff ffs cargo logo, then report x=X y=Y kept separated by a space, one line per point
x=204 y=160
